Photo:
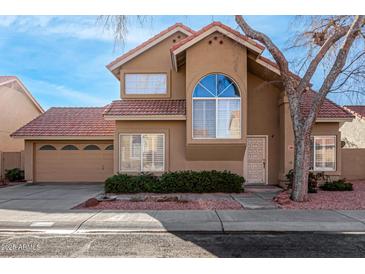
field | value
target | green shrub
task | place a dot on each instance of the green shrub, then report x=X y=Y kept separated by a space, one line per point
x=14 y=174
x=179 y=181
x=339 y=185
x=313 y=180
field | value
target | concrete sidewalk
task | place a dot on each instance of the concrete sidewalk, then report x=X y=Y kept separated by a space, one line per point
x=271 y=220
x=46 y=208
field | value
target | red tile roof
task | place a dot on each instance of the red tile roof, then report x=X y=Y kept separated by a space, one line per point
x=129 y=107
x=178 y=107
x=359 y=109
x=86 y=122
x=120 y=58
x=328 y=110
x=69 y=122
x=214 y=24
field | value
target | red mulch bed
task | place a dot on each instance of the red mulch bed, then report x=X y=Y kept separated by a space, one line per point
x=150 y=205
x=345 y=200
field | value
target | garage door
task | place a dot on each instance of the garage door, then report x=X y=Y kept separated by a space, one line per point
x=73 y=162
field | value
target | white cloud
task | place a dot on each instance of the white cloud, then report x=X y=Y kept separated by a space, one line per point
x=79 y=27
x=6 y=21
x=50 y=94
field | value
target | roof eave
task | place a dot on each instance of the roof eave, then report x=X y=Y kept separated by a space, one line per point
x=26 y=91
x=145 y=117
x=334 y=119
x=112 y=67
x=61 y=137
x=257 y=49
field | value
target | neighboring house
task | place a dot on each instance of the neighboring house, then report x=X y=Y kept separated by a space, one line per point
x=190 y=100
x=353 y=133
x=353 y=142
x=17 y=107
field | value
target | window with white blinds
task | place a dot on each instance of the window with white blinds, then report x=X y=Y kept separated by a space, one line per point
x=216 y=108
x=324 y=153
x=144 y=83
x=142 y=152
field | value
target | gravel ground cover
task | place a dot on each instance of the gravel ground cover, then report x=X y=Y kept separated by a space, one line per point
x=344 y=200
x=153 y=205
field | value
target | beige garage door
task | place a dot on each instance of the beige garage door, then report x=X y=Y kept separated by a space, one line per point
x=73 y=162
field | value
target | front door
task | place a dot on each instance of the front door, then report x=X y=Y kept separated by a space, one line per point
x=256 y=160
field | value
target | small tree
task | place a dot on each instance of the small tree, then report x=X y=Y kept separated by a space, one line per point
x=332 y=37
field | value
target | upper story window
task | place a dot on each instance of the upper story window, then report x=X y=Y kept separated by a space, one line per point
x=216 y=108
x=145 y=83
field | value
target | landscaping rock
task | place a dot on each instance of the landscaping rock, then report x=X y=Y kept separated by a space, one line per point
x=168 y=199
x=91 y=202
x=162 y=199
x=283 y=198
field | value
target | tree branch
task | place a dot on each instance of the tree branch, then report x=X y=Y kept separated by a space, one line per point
x=272 y=48
x=305 y=81
x=335 y=70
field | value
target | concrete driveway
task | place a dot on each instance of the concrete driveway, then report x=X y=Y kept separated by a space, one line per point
x=46 y=197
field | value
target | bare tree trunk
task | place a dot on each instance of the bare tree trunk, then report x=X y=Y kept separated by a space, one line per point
x=301 y=167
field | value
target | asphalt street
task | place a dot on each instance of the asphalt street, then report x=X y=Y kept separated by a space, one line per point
x=196 y=245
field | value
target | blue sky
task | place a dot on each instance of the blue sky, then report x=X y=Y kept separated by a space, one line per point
x=61 y=59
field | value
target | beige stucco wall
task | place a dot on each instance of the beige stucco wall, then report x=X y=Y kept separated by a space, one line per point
x=216 y=54
x=157 y=60
x=264 y=119
x=16 y=110
x=175 y=152
x=353 y=163
x=353 y=133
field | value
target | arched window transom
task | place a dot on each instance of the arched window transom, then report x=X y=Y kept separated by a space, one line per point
x=70 y=147
x=216 y=108
x=91 y=147
x=47 y=147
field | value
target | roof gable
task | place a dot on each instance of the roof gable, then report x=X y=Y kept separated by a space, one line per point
x=191 y=40
x=178 y=27
x=10 y=80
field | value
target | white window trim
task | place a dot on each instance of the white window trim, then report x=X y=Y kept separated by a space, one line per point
x=141 y=156
x=145 y=73
x=314 y=153
x=131 y=149
x=216 y=98
x=216 y=118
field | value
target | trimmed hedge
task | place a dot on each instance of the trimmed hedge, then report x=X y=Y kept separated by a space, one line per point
x=339 y=185
x=179 y=181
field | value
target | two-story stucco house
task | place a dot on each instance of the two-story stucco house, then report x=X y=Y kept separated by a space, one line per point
x=17 y=107
x=190 y=100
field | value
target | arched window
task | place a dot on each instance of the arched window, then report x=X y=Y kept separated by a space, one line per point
x=216 y=108
x=69 y=147
x=91 y=147
x=110 y=147
x=47 y=147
